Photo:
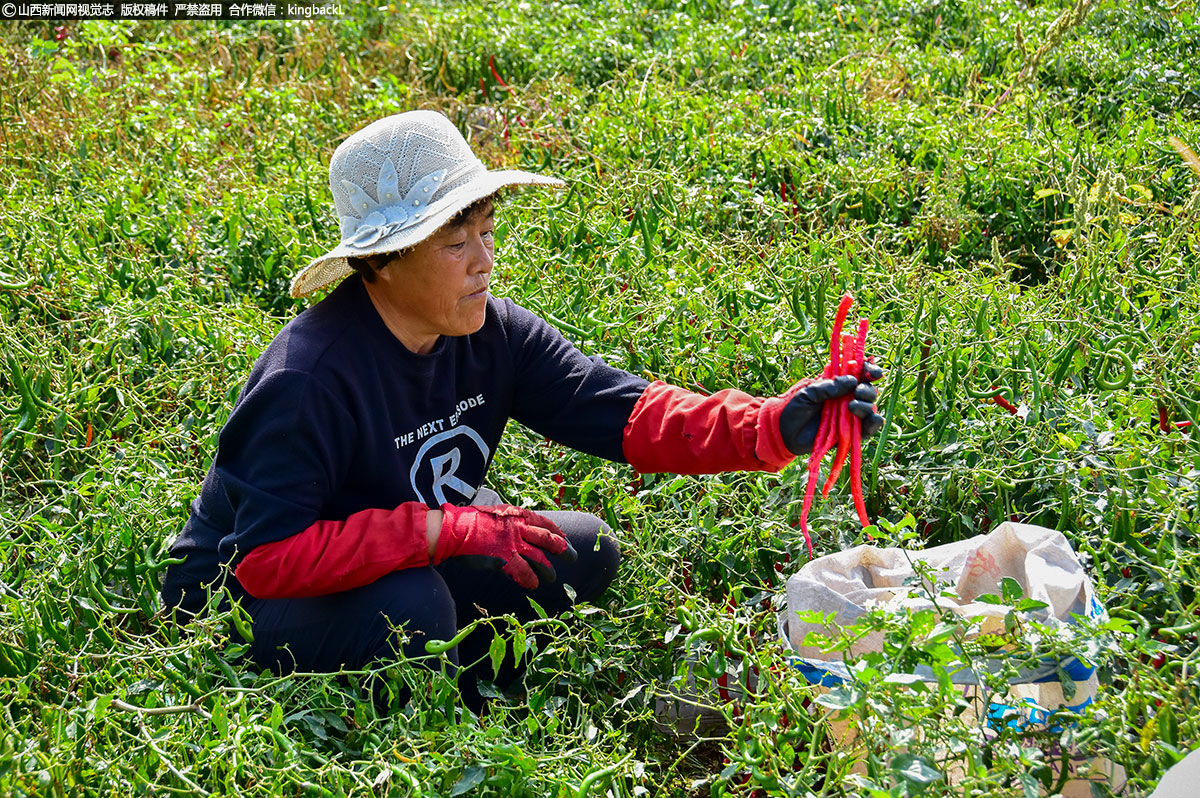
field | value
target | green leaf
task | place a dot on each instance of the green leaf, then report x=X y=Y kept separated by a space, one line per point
x=1011 y=590
x=315 y=725
x=1042 y=193
x=1029 y=785
x=1168 y=726
x=945 y=684
x=1118 y=625
x=1145 y=194
x=1068 y=684
x=518 y=643
x=837 y=698
x=472 y=777
x=923 y=621
x=918 y=771
x=497 y=651
x=100 y=705
x=220 y=719
x=60 y=70
x=942 y=632
x=630 y=695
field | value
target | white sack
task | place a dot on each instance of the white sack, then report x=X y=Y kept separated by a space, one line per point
x=849 y=583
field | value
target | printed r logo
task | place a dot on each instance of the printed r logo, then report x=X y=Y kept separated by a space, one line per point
x=444 y=468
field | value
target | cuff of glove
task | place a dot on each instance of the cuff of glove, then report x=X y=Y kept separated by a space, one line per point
x=471 y=522
x=449 y=536
x=770 y=447
x=334 y=556
x=675 y=430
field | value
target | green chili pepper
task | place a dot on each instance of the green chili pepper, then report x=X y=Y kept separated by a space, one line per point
x=1062 y=361
x=1107 y=357
x=987 y=395
x=242 y=622
x=595 y=776
x=442 y=646
x=707 y=634
x=1034 y=381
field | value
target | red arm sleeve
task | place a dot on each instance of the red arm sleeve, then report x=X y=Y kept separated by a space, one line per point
x=332 y=556
x=671 y=429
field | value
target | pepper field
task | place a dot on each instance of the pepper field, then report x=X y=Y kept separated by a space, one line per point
x=995 y=183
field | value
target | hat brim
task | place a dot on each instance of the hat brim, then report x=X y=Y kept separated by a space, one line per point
x=334 y=264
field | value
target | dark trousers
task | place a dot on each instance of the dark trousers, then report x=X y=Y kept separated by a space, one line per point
x=356 y=628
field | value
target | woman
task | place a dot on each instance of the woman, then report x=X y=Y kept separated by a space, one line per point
x=346 y=496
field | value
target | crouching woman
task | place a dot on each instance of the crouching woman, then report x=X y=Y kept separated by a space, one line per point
x=346 y=499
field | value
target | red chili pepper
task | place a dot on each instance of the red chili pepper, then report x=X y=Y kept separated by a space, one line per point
x=852 y=358
x=860 y=345
x=839 y=321
x=723 y=688
x=1164 y=421
x=496 y=75
x=825 y=434
x=1000 y=400
x=856 y=489
x=827 y=429
x=842 y=414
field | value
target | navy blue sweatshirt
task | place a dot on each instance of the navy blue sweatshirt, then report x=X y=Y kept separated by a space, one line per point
x=338 y=416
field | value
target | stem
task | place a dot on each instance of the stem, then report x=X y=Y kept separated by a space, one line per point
x=176 y=772
x=175 y=710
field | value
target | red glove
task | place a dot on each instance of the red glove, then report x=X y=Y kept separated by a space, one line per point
x=672 y=429
x=332 y=556
x=506 y=538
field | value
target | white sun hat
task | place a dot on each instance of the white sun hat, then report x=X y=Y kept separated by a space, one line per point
x=395 y=183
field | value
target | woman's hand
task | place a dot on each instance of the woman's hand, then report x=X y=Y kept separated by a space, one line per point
x=505 y=538
x=801 y=416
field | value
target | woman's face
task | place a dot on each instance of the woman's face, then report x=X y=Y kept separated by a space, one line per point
x=439 y=287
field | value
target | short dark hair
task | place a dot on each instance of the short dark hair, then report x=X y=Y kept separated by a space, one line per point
x=367 y=266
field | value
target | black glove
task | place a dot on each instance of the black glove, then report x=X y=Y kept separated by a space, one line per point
x=801 y=416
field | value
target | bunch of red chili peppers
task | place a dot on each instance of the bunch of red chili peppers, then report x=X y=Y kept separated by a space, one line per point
x=838 y=428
